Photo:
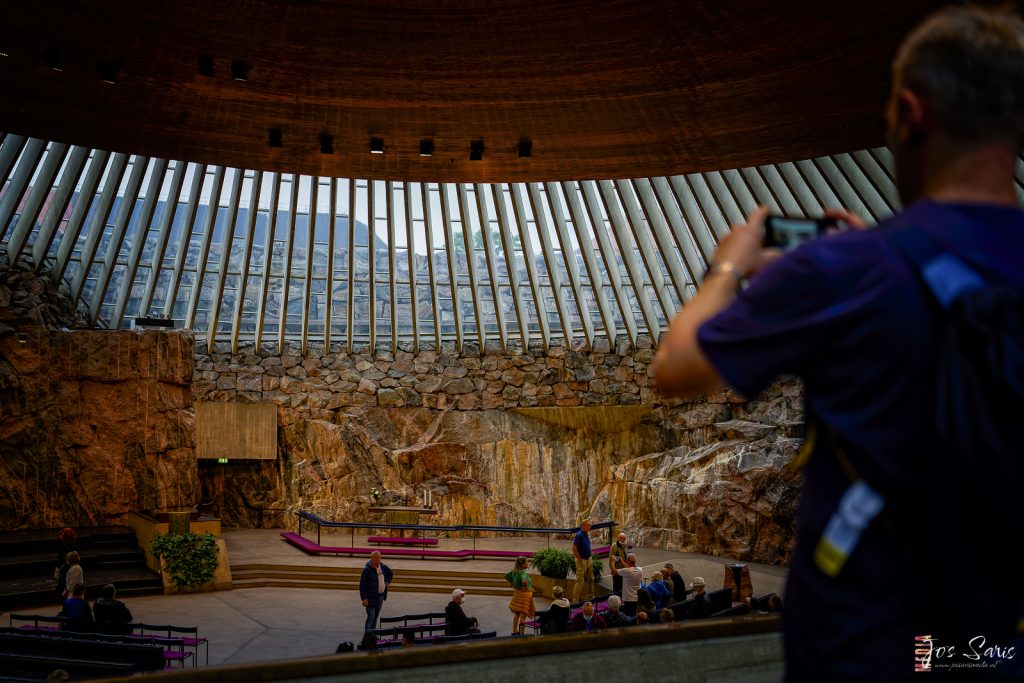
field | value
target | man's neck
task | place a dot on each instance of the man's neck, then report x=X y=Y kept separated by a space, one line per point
x=977 y=175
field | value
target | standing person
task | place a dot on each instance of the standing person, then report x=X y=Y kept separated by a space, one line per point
x=619 y=552
x=68 y=542
x=75 y=575
x=876 y=323
x=522 y=598
x=632 y=577
x=373 y=588
x=678 y=584
x=584 y=564
x=112 y=616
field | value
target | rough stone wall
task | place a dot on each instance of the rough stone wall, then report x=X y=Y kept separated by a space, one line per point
x=707 y=476
x=93 y=423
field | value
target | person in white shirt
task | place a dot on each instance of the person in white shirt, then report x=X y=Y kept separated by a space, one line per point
x=632 y=576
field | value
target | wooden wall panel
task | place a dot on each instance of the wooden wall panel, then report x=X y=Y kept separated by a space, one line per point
x=237 y=431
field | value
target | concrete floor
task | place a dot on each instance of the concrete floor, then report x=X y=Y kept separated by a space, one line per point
x=262 y=624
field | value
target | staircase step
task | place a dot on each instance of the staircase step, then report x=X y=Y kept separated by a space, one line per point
x=331 y=585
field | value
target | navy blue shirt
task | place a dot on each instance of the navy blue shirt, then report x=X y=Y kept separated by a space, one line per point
x=582 y=543
x=847 y=315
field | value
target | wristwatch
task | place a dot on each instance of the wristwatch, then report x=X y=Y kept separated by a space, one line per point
x=726 y=268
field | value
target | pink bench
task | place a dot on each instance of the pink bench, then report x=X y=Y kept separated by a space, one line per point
x=313 y=548
x=396 y=540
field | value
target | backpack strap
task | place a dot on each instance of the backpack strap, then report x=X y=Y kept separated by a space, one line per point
x=946 y=276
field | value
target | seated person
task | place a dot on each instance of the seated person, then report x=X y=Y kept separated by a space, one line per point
x=666 y=616
x=456 y=623
x=644 y=603
x=774 y=603
x=556 y=620
x=76 y=611
x=613 y=616
x=587 y=620
x=112 y=616
x=660 y=593
x=700 y=604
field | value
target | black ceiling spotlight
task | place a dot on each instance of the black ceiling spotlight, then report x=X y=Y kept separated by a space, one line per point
x=326 y=143
x=108 y=72
x=476 y=150
x=239 y=70
x=276 y=137
x=426 y=148
x=525 y=148
x=4 y=49
x=53 y=59
x=205 y=63
x=376 y=145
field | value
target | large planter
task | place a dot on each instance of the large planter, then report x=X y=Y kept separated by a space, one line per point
x=221 y=577
x=543 y=585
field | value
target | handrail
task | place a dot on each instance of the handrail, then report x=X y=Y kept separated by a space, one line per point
x=321 y=522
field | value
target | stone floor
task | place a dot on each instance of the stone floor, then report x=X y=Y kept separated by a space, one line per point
x=261 y=624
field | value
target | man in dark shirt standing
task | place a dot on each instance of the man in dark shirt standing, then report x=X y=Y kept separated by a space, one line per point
x=849 y=315
x=456 y=623
x=373 y=588
x=584 y=589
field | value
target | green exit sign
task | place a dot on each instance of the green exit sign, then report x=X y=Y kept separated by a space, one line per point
x=222 y=461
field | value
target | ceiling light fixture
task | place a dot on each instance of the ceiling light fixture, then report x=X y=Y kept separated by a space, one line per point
x=326 y=143
x=205 y=64
x=525 y=148
x=239 y=70
x=276 y=137
x=476 y=150
x=376 y=145
x=53 y=60
x=108 y=72
x=426 y=148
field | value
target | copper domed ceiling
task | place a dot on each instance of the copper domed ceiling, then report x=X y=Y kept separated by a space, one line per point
x=585 y=88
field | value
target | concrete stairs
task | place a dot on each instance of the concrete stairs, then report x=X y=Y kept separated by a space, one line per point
x=258 y=575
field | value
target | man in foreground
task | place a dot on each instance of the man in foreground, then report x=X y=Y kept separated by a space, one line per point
x=891 y=513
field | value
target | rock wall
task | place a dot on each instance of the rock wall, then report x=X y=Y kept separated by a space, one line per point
x=533 y=439
x=93 y=424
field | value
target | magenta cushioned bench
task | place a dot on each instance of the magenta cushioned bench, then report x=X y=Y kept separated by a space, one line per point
x=397 y=540
x=313 y=548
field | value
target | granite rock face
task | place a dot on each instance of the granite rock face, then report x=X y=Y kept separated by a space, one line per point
x=94 y=424
x=682 y=478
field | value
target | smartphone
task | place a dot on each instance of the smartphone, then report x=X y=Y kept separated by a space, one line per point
x=787 y=233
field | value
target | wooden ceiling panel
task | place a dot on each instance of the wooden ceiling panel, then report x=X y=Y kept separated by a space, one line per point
x=602 y=88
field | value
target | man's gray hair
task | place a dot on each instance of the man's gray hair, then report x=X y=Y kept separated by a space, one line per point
x=375 y=553
x=669 y=565
x=631 y=557
x=614 y=602
x=968 y=64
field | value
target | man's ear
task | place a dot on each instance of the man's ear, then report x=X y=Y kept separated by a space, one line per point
x=914 y=115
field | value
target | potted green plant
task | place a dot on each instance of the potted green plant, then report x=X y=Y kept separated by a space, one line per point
x=553 y=563
x=190 y=560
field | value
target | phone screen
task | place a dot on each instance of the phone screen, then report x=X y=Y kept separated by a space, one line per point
x=788 y=233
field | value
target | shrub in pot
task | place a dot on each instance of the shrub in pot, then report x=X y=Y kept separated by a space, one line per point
x=553 y=563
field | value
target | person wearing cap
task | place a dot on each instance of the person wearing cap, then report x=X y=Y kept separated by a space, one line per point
x=700 y=603
x=456 y=623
